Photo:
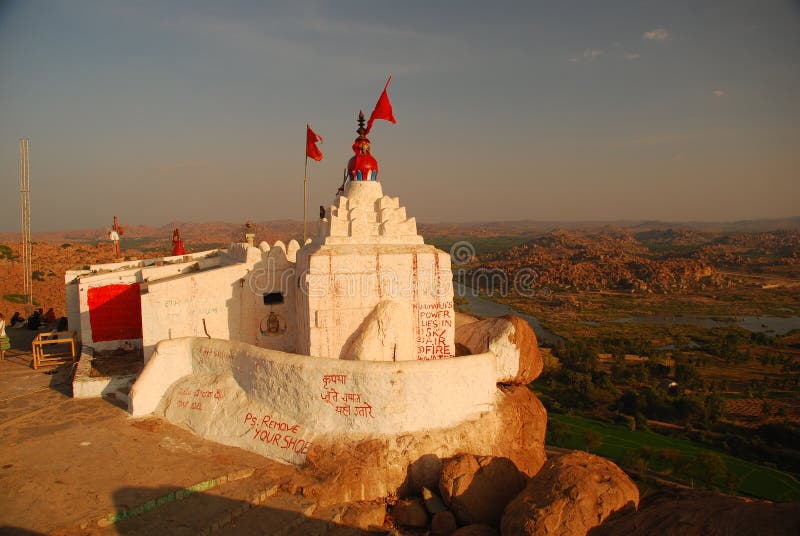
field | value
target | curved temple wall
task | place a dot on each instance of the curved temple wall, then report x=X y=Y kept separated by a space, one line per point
x=276 y=404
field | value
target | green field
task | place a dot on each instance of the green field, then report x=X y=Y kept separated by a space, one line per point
x=617 y=441
x=18 y=298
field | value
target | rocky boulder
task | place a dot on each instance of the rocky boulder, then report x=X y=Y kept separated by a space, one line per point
x=463 y=318
x=570 y=495
x=510 y=339
x=358 y=469
x=410 y=513
x=476 y=530
x=363 y=515
x=380 y=336
x=478 y=488
x=443 y=523
x=687 y=512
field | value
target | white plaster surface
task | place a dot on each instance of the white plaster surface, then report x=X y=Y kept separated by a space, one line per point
x=364 y=215
x=84 y=385
x=342 y=285
x=383 y=334
x=223 y=288
x=370 y=288
x=192 y=305
x=276 y=404
x=78 y=283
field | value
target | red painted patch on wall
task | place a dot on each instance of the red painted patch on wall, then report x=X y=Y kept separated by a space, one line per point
x=115 y=312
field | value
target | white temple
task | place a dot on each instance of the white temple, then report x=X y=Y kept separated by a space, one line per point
x=272 y=348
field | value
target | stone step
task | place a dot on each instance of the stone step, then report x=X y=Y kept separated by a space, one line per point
x=280 y=515
x=351 y=519
x=121 y=394
x=204 y=512
x=292 y=515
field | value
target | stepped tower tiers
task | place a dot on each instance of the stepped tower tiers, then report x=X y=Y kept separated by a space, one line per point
x=371 y=289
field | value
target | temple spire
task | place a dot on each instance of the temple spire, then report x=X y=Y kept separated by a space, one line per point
x=361 y=130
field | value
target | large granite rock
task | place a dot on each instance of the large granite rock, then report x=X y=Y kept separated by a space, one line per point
x=570 y=495
x=341 y=470
x=443 y=523
x=512 y=341
x=410 y=513
x=380 y=335
x=463 y=318
x=478 y=488
x=479 y=529
x=686 y=512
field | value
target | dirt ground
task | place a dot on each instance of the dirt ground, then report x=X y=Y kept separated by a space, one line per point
x=71 y=466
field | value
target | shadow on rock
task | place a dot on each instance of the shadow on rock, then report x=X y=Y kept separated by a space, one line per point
x=171 y=510
x=688 y=512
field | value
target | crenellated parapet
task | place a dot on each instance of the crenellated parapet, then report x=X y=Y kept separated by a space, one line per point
x=279 y=253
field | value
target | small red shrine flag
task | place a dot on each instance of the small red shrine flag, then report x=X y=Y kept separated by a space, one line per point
x=312 y=151
x=383 y=109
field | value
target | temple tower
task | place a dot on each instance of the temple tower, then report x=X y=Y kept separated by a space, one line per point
x=370 y=288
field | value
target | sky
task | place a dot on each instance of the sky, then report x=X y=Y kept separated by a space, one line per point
x=161 y=111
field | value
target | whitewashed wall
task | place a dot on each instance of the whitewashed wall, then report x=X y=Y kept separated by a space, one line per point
x=276 y=404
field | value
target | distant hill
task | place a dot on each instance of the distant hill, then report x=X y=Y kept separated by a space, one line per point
x=271 y=230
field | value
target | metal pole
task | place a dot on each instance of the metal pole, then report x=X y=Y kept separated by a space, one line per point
x=25 y=209
x=305 y=203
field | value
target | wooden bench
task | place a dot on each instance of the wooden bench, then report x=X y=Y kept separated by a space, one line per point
x=56 y=358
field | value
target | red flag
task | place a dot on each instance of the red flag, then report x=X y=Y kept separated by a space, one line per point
x=312 y=151
x=383 y=109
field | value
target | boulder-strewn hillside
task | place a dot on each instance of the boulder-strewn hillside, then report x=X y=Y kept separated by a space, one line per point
x=50 y=262
x=652 y=261
x=610 y=259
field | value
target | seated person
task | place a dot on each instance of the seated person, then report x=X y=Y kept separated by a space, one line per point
x=49 y=316
x=17 y=320
x=35 y=320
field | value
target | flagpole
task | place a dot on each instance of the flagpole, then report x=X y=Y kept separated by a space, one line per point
x=305 y=203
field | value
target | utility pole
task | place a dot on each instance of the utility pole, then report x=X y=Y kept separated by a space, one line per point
x=25 y=210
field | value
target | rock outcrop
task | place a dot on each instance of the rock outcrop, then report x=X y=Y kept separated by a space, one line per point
x=479 y=529
x=570 y=495
x=379 y=338
x=443 y=523
x=477 y=489
x=512 y=341
x=685 y=512
x=410 y=513
x=339 y=471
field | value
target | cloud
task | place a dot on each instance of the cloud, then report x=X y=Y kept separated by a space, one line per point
x=631 y=56
x=718 y=93
x=588 y=55
x=659 y=34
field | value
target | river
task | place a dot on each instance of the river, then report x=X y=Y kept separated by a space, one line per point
x=772 y=325
x=488 y=309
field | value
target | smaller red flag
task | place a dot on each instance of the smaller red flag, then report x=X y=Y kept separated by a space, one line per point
x=383 y=109
x=312 y=151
